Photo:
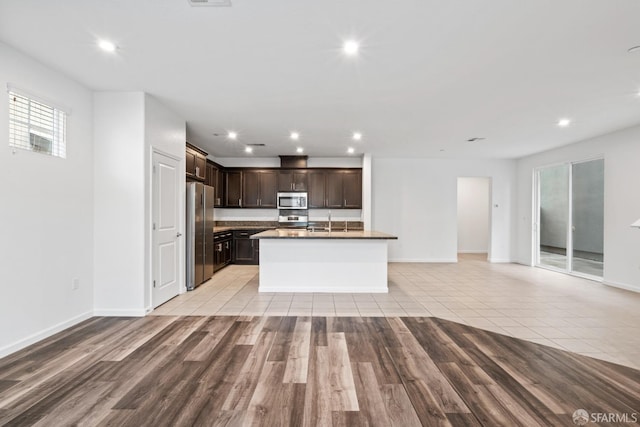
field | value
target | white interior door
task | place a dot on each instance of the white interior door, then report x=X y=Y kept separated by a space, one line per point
x=166 y=229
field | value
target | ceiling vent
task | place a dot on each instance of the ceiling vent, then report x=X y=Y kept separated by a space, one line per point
x=215 y=3
x=475 y=139
x=256 y=145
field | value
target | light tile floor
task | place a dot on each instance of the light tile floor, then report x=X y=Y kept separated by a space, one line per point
x=535 y=304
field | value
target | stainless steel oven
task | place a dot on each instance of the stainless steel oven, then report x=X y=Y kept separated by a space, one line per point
x=291 y=200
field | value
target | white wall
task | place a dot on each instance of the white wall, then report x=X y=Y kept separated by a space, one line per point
x=474 y=201
x=165 y=132
x=119 y=210
x=415 y=199
x=46 y=214
x=621 y=151
x=127 y=127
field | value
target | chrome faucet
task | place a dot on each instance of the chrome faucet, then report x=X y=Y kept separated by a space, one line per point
x=329 y=221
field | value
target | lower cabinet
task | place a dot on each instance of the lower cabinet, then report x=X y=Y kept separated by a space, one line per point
x=246 y=250
x=223 y=243
x=235 y=247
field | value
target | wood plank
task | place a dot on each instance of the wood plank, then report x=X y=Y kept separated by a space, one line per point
x=399 y=408
x=319 y=331
x=203 y=398
x=418 y=365
x=298 y=358
x=215 y=328
x=193 y=370
x=245 y=384
x=137 y=337
x=52 y=346
x=426 y=405
x=343 y=389
x=317 y=407
x=370 y=400
x=280 y=349
x=250 y=336
x=463 y=420
x=273 y=402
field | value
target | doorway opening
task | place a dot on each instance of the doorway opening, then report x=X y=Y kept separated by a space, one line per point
x=474 y=218
x=569 y=226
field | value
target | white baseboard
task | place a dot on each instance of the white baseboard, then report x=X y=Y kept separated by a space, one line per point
x=500 y=260
x=621 y=286
x=424 y=260
x=45 y=333
x=479 y=251
x=120 y=313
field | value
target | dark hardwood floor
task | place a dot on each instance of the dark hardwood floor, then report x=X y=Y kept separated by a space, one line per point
x=302 y=371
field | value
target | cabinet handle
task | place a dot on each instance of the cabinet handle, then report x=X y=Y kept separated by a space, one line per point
x=239 y=202
x=197 y=171
x=345 y=202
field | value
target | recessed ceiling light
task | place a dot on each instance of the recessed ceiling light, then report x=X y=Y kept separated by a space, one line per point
x=563 y=123
x=350 y=47
x=106 y=45
x=357 y=136
x=295 y=136
x=248 y=149
x=232 y=135
x=351 y=150
x=299 y=150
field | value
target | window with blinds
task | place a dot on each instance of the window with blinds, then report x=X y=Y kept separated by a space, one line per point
x=36 y=126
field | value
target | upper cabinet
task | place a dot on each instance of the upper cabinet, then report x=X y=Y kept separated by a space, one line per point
x=259 y=188
x=352 y=189
x=196 y=163
x=335 y=189
x=216 y=178
x=233 y=193
x=292 y=180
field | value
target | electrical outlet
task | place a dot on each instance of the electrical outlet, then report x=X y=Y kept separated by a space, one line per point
x=75 y=283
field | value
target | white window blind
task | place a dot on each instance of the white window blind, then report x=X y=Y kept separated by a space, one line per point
x=36 y=126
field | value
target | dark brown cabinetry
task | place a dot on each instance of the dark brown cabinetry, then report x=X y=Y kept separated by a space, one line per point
x=335 y=189
x=233 y=193
x=352 y=189
x=216 y=178
x=259 y=189
x=196 y=163
x=246 y=250
x=292 y=180
x=223 y=243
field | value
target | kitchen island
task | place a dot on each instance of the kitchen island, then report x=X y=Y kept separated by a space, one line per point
x=323 y=261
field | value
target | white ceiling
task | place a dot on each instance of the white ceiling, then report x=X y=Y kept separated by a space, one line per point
x=431 y=74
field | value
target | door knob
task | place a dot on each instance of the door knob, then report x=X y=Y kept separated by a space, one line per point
x=179 y=234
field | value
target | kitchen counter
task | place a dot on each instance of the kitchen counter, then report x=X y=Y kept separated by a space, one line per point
x=283 y=233
x=321 y=261
x=220 y=229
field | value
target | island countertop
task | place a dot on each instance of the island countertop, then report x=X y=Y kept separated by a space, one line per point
x=284 y=233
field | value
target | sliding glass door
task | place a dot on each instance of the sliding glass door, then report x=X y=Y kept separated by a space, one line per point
x=570 y=217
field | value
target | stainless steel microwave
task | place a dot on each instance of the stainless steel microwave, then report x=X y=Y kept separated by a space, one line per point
x=290 y=200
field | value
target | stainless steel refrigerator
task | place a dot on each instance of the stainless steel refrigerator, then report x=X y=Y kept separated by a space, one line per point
x=200 y=247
